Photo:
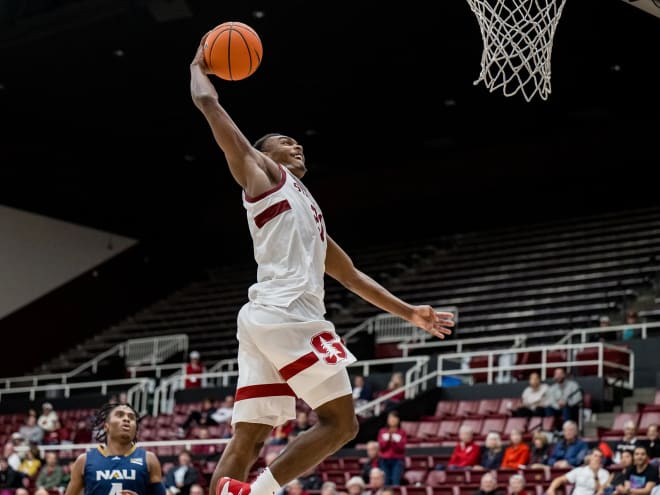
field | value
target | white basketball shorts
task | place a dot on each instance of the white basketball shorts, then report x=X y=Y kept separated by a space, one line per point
x=283 y=355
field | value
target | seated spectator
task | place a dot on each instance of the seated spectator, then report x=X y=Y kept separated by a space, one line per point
x=628 y=442
x=372 y=461
x=564 y=397
x=355 y=486
x=31 y=431
x=392 y=441
x=9 y=451
x=311 y=479
x=539 y=453
x=59 y=435
x=178 y=479
x=466 y=453
x=516 y=454
x=651 y=442
x=295 y=487
x=203 y=449
x=396 y=381
x=196 y=489
x=82 y=433
x=195 y=366
x=534 y=399
x=31 y=463
x=376 y=482
x=280 y=434
x=222 y=415
x=628 y=333
x=201 y=417
x=362 y=390
x=618 y=478
x=643 y=476
x=51 y=474
x=329 y=488
x=569 y=451
x=491 y=453
x=488 y=485
x=47 y=418
x=9 y=477
x=301 y=424
x=517 y=485
x=588 y=479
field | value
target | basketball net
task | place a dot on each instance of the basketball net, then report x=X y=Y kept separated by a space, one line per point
x=517 y=44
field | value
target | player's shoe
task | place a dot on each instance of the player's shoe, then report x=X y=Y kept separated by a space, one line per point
x=229 y=486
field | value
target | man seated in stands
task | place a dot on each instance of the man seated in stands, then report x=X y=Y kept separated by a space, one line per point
x=588 y=479
x=517 y=485
x=467 y=452
x=651 y=442
x=51 y=475
x=362 y=390
x=534 y=399
x=47 y=418
x=569 y=451
x=619 y=477
x=178 y=479
x=355 y=486
x=372 y=461
x=32 y=432
x=642 y=478
x=376 y=482
x=564 y=397
x=202 y=417
x=487 y=485
x=492 y=452
x=628 y=442
x=223 y=414
x=9 y=478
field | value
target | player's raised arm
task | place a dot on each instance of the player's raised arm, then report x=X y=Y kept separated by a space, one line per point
x=254 y=171
x=340 y=267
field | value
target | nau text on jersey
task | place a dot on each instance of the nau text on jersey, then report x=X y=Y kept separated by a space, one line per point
x=115 y=474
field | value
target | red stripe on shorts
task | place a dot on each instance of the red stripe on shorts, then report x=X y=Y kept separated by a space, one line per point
x=271 y=212
x=266 y=390
x=300 y=364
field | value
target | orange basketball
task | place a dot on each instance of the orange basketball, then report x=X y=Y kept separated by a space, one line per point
x=233 y=51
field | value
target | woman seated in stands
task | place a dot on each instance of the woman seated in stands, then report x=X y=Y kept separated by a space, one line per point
x=539 y=453
x=517 y=452
x=492 y=452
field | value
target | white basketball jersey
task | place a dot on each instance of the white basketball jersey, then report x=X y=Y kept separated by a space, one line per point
x=289 y=237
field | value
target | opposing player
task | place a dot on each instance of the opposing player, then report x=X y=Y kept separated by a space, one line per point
x=286 y=348
x=117 y=466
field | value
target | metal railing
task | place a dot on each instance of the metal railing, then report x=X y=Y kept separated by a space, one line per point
x=516 y=340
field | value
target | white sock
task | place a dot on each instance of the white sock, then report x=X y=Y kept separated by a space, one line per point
x=265 y=484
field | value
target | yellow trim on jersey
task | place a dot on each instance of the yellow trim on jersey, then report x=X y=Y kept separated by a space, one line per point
x=102 y=449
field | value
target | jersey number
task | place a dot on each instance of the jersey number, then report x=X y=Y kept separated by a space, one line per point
x=319 y=222
x=116 y=489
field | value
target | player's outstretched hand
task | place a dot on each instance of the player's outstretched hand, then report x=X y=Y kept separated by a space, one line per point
x=438 y=323
x=199 y=56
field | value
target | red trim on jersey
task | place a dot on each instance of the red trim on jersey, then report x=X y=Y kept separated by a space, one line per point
x=250 y=199
x=265 y=390
x=300 y=364
x=271 y=212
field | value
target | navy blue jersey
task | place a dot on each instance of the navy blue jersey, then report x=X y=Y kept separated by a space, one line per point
x=107 y=474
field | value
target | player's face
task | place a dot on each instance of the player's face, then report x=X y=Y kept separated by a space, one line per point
x=121 y=424
x=287 y=151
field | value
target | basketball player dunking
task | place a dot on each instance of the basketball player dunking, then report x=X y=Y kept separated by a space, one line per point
x=117 y=466
x=286 y=349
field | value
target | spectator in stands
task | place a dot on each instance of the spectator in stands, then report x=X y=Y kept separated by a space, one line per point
x=311 y=479
x=629 y=333
x=204 y=449
x=392 y=441
x=517 y=485
x=196 y=489
x=355 y=486
x=534 y=399
x=31 y=431
x=516 y=454
x=488 y=484
x=47 y=418
x=652 y=442
x=564 y=397
x=491 y=453
x=569 y=451
x=376 y=482
x=588 y=479
x=193 y=367
x=9 y=451
x=466 y=453
x=31 y=463
x=60 y=434
x=301 y=424
x=539 y=453
x=295 y=487
x=362 y=390
x=202 y=417
x=280 y=434
x=51 y=474
x=222 y=415
x=83 y=432
x=396 y=381
x=628 y=442
x=373 y=459
x=642 y=478
x=9 y=477
x=178 y=479
x=618 y=477
x=329 y=488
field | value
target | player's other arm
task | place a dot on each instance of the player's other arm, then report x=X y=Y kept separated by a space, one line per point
x=254 y=171
x=77 y=482
x=339 y=266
